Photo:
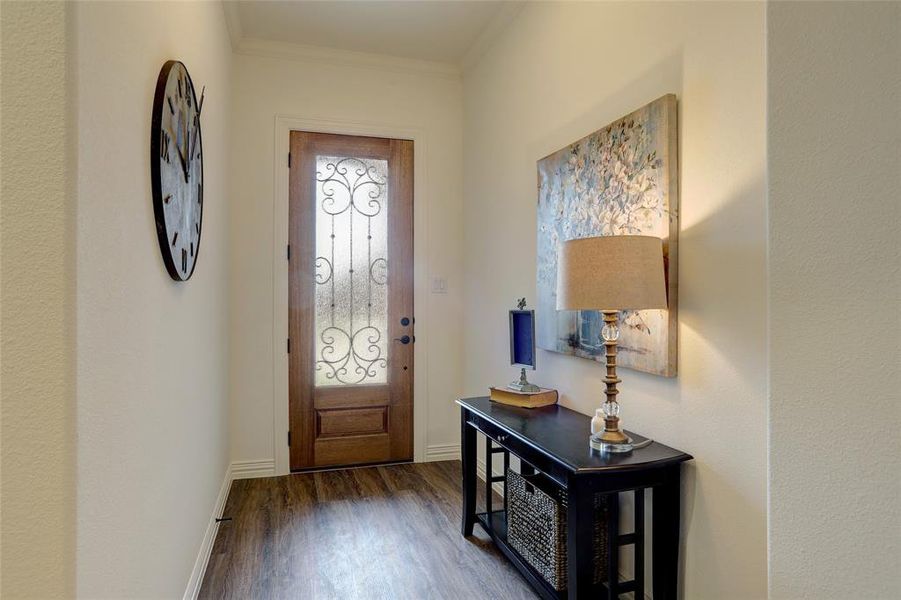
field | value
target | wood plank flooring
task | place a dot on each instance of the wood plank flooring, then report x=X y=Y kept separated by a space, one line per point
x=389 y=532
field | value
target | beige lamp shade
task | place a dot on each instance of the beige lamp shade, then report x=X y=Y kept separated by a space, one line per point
x=616 y=272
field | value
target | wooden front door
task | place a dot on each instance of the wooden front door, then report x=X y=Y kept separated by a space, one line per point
x=350 y=300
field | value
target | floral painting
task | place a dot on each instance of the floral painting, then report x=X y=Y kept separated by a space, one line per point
x=620 y=180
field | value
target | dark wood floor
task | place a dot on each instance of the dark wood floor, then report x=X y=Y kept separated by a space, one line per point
x=389 y=533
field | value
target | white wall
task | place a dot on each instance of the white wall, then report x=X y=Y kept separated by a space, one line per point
x=152 y=353
x=37 y=322
x=558 y=73
x=328 y=89
x=834 y=132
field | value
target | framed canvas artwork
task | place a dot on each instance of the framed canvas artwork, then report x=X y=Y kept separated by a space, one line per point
x=620 y=180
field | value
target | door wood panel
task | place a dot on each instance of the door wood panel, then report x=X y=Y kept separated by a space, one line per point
x=351 y=421
x=354 y=423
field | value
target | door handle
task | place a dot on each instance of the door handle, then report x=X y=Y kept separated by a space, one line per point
x=403 y=340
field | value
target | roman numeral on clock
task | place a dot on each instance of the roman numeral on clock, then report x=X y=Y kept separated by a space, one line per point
x=164 y=145
x=184 y=260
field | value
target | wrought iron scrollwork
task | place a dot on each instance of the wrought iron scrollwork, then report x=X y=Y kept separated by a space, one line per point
x=378 y=271
x=351 y=358
x=342 y=176
x=352 y=354
x=324 y=270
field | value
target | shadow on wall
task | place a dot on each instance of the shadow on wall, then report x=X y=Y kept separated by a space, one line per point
x=726 y=267
x=723 y=267
x=716 y=250
x=722 y=300
x=704 y=495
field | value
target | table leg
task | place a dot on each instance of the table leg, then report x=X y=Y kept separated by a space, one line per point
x=665 y=536
x=612 y=546
x=506 y=493
x=639 y=543
x=489 y=487
x=468 y=447
x=579 y=550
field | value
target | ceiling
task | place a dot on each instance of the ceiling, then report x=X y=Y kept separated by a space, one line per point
x=440 y=30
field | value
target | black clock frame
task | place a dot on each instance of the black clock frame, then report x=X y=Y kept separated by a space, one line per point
x=159 y=214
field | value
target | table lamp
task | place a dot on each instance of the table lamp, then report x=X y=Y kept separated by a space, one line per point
x=610 y=274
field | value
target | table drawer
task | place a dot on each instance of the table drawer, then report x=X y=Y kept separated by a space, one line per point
x=520 y=448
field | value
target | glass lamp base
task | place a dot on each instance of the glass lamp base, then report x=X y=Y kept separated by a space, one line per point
x=601 y=446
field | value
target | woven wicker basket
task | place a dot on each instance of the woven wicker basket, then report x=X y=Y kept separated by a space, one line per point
x=536 y=527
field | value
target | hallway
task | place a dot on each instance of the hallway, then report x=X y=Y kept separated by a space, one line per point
x=387 y=532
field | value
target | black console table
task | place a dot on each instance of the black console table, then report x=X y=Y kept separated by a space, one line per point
x=554 y=440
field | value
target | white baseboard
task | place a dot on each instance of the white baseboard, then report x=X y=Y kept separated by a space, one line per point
x=243 y=469
x=249 y=469
x=209 y=536
x=437 y=452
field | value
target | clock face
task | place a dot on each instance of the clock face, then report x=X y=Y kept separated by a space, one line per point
x=176 y=165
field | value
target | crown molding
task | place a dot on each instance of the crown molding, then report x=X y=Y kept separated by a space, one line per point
x=242 y=44
x=489 y=34
x=233 y=22
x=347 y=58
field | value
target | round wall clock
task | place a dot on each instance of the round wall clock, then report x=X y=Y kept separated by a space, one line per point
x=176 y=169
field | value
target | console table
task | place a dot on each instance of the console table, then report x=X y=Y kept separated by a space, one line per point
x=554 y=440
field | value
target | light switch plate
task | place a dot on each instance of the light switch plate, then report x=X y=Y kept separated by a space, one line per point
x=439 y=285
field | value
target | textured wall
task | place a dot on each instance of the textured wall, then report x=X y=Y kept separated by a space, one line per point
x=152 y=353
x=265 y=87
x=834 y=132
x=37 y=473
x=562 y=71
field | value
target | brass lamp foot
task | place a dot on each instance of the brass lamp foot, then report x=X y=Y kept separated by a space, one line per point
x=614 y=437
x=611 y=439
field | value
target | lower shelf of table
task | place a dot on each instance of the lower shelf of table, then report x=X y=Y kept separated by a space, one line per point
x=496 y=527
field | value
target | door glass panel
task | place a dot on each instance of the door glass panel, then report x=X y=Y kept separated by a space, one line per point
x=351 y=275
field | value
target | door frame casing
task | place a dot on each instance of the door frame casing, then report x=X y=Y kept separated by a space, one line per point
x=284 y=124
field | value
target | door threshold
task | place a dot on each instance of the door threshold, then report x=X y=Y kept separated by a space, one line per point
x=350 y=467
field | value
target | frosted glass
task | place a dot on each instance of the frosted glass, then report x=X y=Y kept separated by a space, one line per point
x=351 y=275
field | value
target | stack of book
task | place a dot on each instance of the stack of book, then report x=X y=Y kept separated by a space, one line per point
x=543 y=397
